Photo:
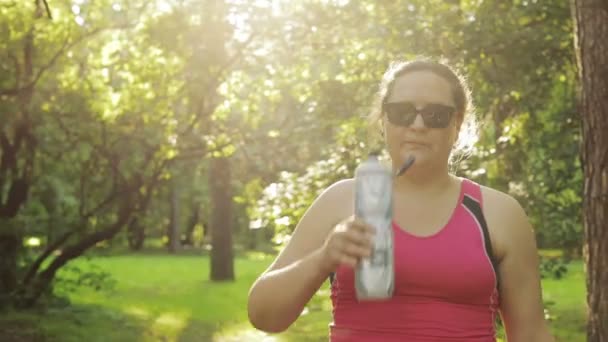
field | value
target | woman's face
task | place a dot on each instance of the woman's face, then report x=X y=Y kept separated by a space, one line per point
x=430 y=139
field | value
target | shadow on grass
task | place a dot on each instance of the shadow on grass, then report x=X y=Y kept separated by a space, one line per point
x=18 y=330
x=94 y=323
x=236 y=332
x=197 y=330
x=89 y=323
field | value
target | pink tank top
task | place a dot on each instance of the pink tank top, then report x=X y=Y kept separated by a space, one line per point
x=445 y=286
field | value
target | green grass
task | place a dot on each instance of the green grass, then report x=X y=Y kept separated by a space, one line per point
x=169 y=298
x=567 y=314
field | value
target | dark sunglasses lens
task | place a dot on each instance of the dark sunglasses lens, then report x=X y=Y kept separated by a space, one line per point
x=400 y=114
x=437 y=116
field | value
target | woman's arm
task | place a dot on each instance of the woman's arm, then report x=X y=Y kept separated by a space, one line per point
x=279 y=295
x=521 y=303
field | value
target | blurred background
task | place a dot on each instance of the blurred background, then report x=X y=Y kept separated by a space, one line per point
x=155 y=155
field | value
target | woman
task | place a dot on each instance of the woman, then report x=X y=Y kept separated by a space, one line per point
x=463 y=252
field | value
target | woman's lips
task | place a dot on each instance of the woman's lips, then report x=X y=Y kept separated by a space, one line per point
x=414 y=143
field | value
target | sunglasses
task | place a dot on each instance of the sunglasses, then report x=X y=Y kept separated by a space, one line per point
x=434 y=115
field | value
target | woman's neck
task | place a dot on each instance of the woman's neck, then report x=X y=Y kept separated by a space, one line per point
x=424 y=180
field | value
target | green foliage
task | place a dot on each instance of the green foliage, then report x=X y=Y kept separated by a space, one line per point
x=553 y=268
x=84 y=275
x=546 y=141
x=284 y=202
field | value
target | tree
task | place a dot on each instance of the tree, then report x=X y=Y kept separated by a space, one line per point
x=174 y=220
x=105 y=155
x=222 y=256
x=591 y=35
x=17 y=149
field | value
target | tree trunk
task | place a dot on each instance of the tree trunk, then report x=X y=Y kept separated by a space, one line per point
x=192 y=222
x=9 y=250
x=174 y=240
x=16 y=165
x=591 y=38
x=50 y=249
x=32 y=290
x=222 y=259
x=136 y=234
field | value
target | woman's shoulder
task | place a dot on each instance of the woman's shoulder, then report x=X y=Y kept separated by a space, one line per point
x=489 y=197
x=507 y=220
x=338 y=196
x=340 y=189
x=500 y=203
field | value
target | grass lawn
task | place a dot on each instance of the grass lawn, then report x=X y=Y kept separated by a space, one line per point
x=168 y=298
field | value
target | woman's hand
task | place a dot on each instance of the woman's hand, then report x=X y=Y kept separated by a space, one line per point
x=347 y=243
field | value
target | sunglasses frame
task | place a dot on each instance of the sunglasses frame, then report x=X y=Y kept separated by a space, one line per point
x=424 y=112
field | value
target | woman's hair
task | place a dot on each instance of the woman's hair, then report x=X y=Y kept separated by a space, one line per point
x=460 y=91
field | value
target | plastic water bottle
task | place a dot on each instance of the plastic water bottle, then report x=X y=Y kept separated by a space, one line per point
x=375 y=275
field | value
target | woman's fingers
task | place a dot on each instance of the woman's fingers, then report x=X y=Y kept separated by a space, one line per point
x=357 y=250
x=361 y=234
x=350 y=241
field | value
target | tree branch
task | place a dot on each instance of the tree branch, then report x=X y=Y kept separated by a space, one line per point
x=33 y=269
x=66 y=46
x=45 y=277
x=214 y=83
x=48 y=10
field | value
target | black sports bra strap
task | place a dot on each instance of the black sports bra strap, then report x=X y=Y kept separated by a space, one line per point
x=475 y=209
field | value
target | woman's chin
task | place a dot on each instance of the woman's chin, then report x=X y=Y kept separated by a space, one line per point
x=422 y=161
x=419 y=155
x=424 y=157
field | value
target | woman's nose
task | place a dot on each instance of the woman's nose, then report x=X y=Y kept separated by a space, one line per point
x=418 y=122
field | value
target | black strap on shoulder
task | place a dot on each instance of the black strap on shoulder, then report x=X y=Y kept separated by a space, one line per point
x=475 y=209
x=332 y=276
